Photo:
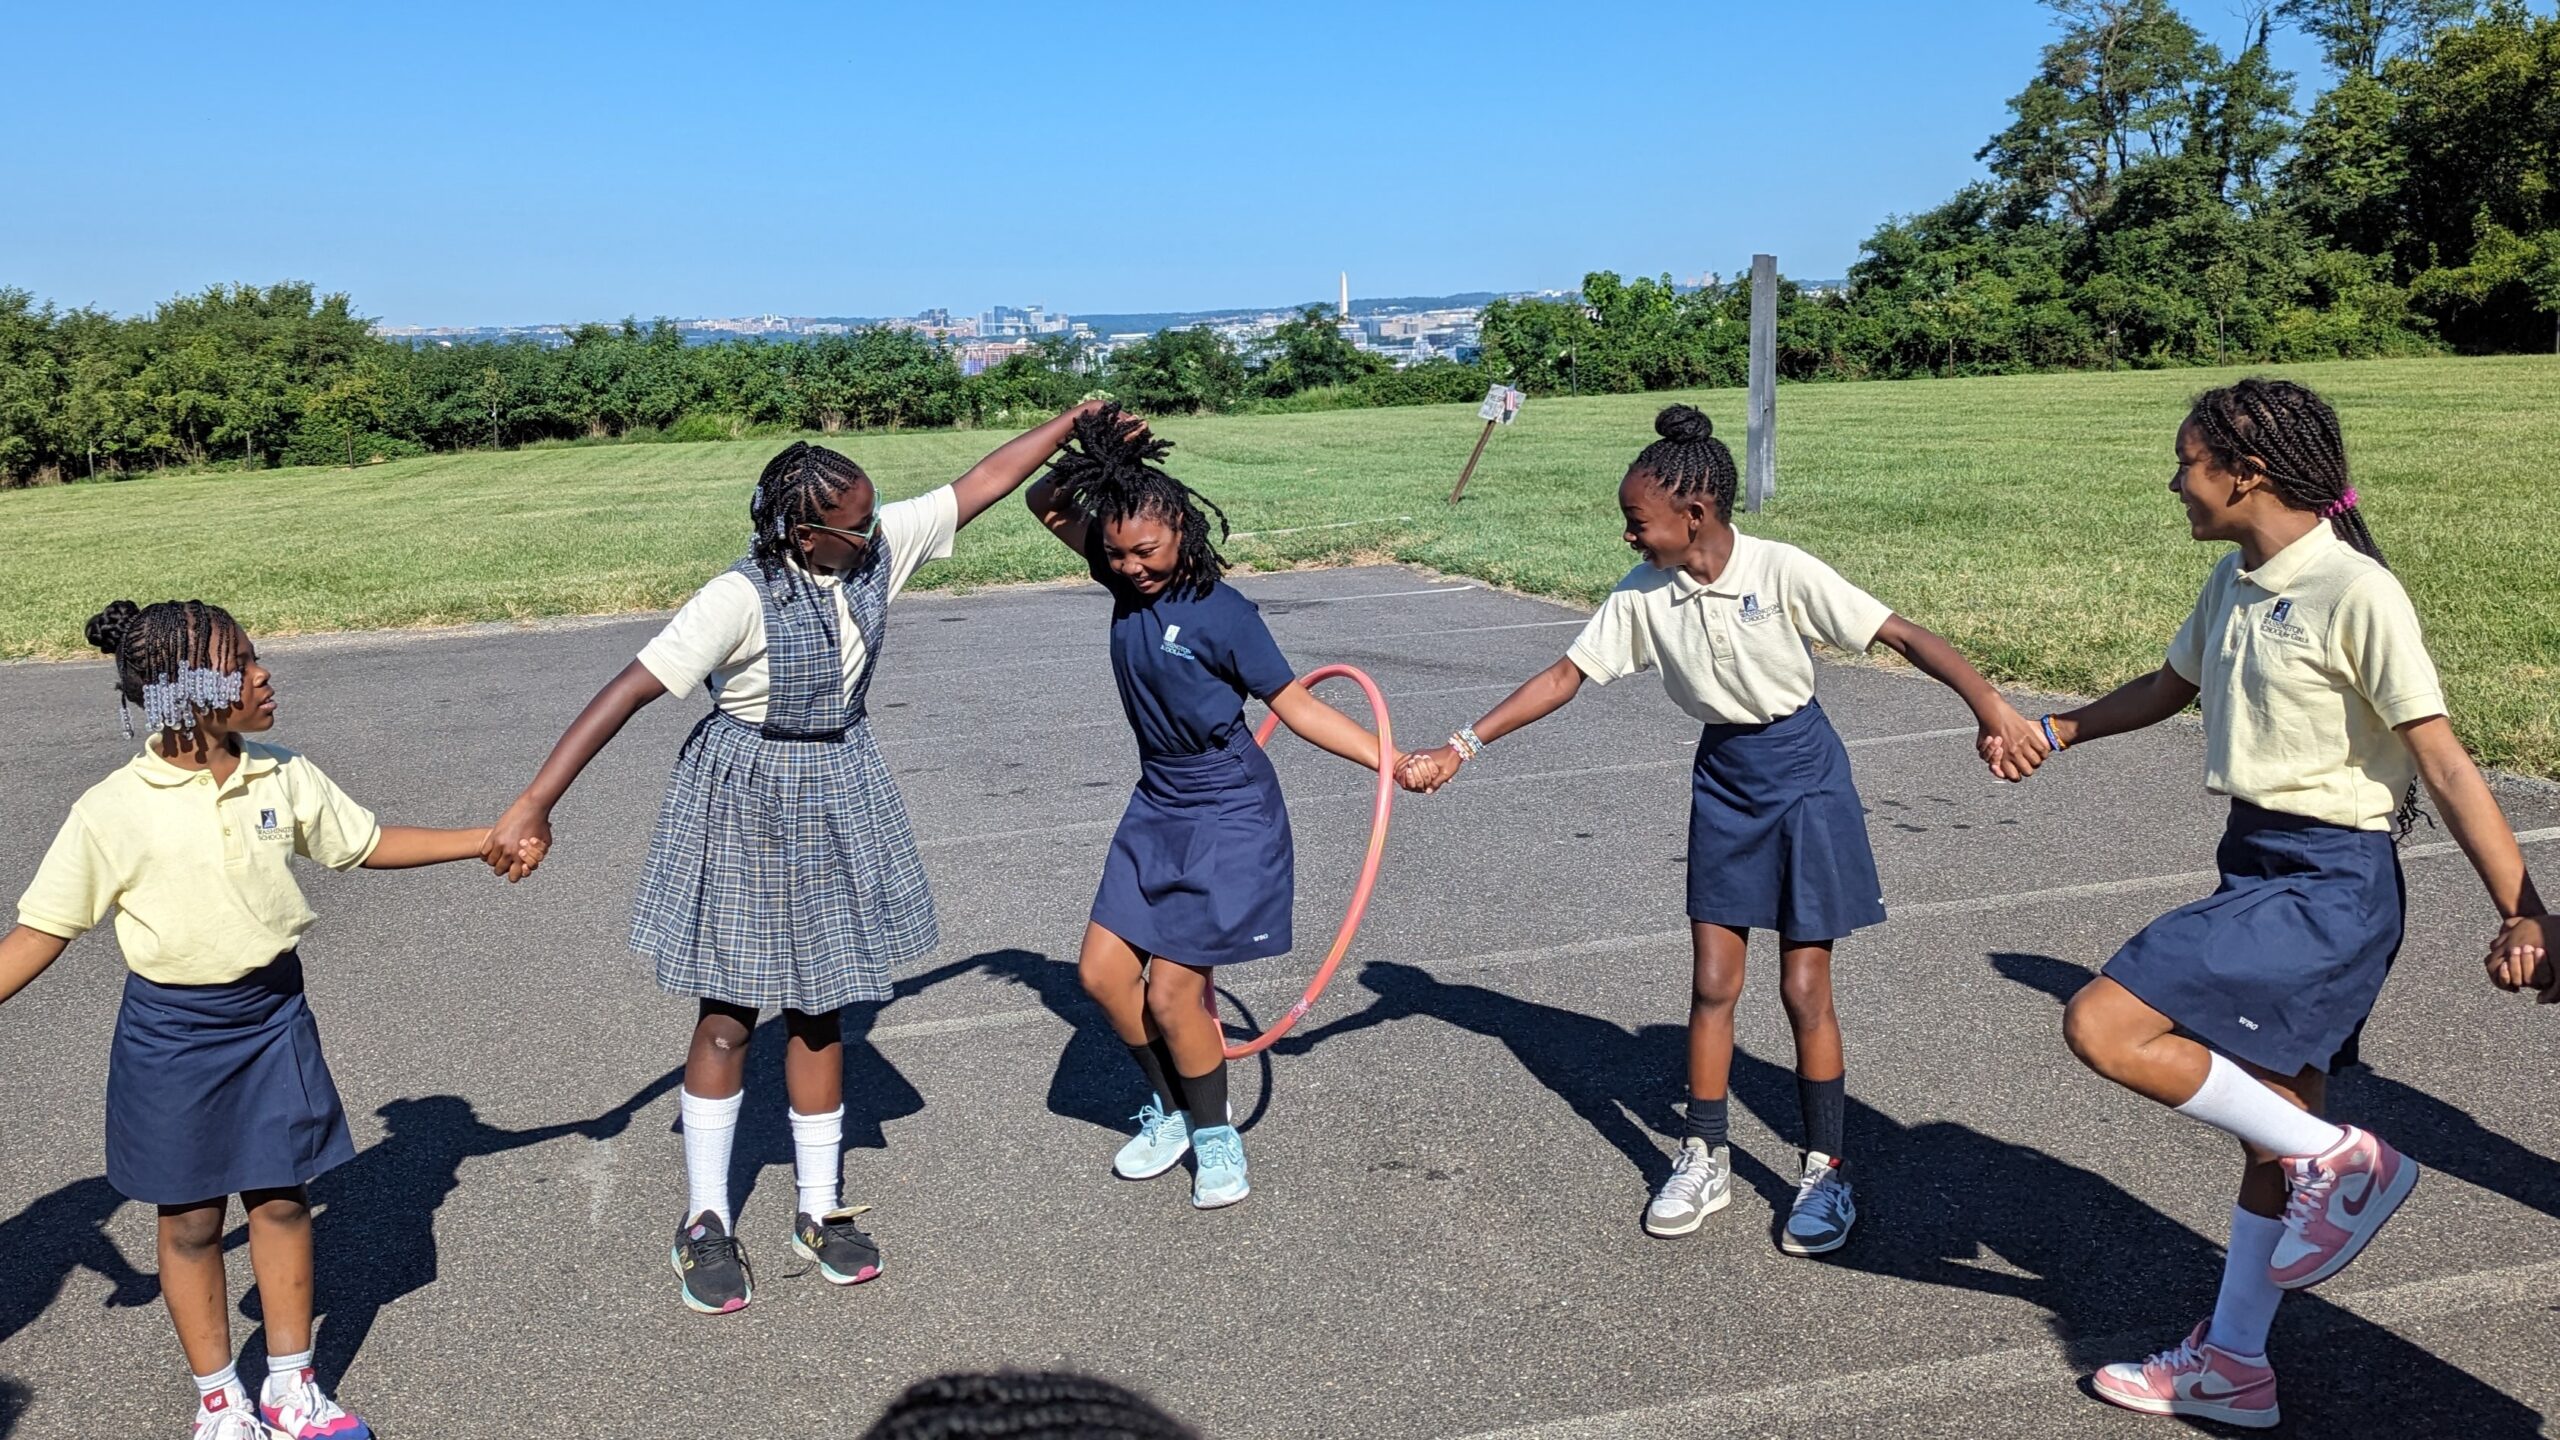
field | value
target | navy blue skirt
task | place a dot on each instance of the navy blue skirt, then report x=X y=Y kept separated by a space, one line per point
x=1777 y=836
x=1202 y=869
x=2281 y=964
x=216 y=1089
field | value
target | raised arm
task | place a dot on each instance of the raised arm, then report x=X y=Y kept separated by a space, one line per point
x=529 y=818
x=2012 y=745
x=1540 y=696
x=1011 y=463
x=25 y=952
x=2134 y=705
x=1061 y=519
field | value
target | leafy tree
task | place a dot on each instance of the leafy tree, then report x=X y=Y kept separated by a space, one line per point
x=1178 y=372
x=1308 y=352
x=2357 y=36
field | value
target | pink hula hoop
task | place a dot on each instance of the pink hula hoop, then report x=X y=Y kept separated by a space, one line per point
x=1368 y=867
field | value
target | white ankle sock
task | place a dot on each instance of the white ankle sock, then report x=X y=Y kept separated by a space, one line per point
x=2245 y=1309
x=2232 y=1101
x=817 y=1149
x=285 y=1370
x=226 y=1378
x=710 y=1129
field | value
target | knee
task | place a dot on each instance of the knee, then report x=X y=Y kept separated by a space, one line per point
x=1806 y=994
x=2091 y=1038
x=193 y=1232
x=1102 y=981
x=1170 y=1000
x=1714 y=990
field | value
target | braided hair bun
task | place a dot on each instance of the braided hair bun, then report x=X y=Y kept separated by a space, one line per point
x=1689 y=461
x=108 y=627
x=1684 y=425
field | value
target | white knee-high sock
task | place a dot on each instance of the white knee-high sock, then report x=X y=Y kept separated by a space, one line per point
x=710 y=1130
x=2232 y=1101
x=2246 y=1307
x=817 y=1150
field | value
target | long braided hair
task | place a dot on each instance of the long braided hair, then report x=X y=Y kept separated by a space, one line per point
x=179 y=660
x=795 y=489
x=1021 y=1405
x=1689 y=461
x=1108 y=472
x=2287 y=433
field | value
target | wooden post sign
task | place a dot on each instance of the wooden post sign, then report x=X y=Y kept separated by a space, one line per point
x=1501 y=407
x=1760 y=457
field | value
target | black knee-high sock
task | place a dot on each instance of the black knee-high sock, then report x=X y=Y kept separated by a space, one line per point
x=1208 y=1097
x=1825 y=1104
x=1172 y=1070
x=1158 y=1068
x=1706 y=1120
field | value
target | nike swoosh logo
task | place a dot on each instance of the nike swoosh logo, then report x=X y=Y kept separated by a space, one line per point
x=2354 y=1204
x=2201 y=1389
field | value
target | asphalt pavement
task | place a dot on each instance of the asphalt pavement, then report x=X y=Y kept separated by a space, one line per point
x=1449 y=1158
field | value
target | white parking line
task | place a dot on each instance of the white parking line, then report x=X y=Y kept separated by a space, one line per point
x=2045 y=1364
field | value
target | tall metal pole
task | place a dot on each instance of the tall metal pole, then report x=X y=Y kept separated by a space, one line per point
x=1760 y=461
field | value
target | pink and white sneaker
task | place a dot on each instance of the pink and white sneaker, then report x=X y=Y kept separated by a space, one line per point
x=2339 y=1202
x=2197 y=1380
x=298 y=1409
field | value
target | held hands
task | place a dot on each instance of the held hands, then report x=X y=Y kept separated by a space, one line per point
x=518 y=842
x=1423 y=771
x=2010 y=743
x=2520 y=958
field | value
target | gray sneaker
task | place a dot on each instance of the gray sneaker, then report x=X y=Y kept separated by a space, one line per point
x=1701 y=1184
x=1818 y=1223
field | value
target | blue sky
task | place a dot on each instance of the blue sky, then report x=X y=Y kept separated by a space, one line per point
x=505 y=164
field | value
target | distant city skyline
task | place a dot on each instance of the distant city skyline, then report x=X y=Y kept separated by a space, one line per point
x=480 y=164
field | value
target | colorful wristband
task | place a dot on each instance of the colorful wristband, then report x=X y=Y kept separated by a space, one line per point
x=2050 y=738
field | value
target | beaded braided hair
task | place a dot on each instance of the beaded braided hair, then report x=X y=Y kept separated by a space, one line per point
x=1108 y=472
x=795 y=489
x=2288 y=434
x=1022 y=1405
x=1689 y=461
x=179 y=660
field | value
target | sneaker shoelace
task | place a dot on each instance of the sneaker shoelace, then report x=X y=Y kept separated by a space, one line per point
x=306 y=1397
x=708 y=1249
x=1691 y=1173
x=1220 y=1150
x=838 y=1225
x=2184 y=1356
x=2312 y=1183
x=1818 y=1194
x=1152 y=1122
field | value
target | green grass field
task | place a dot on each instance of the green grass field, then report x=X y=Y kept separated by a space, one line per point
x=2026 y=518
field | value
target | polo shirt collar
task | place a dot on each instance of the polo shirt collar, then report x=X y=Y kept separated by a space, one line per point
x=156 y=769
x=1729 y=583
x=2287 y=565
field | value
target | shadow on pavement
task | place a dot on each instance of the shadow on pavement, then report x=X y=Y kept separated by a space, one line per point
x=1944 y=1204
x=1094 y=1081
x=60 y=1233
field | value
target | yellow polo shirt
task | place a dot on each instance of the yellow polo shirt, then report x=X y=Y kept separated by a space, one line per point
x=2305 y=668
x=196 y=872
x=1733 y=652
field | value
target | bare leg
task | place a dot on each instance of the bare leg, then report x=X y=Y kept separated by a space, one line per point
x=1115 y=975
x=715 y=1068
x=280 y=1251
x=813 y=1062
x=1177 y=999
x=1804 y=983
x=2137 y=1047
x=192 y=1281
x=1715 y=984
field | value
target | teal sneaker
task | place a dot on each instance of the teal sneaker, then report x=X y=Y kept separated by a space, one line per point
x=1220 y=1178
x=1161 y=1142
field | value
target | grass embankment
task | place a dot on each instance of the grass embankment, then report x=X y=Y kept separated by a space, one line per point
x=2026 y=518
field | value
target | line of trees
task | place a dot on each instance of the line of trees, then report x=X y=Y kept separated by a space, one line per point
x=2156 y=200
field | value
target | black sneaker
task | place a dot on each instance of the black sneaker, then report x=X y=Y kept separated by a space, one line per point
x=841 y=1251
x=712 y=1263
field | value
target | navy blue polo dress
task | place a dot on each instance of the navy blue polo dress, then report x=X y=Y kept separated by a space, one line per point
x=1202 y=869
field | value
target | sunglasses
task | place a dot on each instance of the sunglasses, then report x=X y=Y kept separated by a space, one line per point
x=862 y=536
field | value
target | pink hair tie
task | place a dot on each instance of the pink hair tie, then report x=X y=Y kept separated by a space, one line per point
x=2341 y=505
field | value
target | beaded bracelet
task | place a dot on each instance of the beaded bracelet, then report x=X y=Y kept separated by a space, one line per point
x=1466 y=743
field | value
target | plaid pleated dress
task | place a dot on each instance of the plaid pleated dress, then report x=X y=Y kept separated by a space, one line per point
x=783 y=871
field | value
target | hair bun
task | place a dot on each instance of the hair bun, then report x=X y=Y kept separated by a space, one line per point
x=107 y=628
x=1684 y=425
x=1118 y=439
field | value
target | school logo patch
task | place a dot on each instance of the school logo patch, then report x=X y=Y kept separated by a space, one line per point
x=2279 y=623
x=1171 y=648
x=1753 y=612
x=271 y=826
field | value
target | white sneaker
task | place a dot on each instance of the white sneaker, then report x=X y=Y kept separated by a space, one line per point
x=1701 y=1184
x=1819 y=1220
x=227 y=1415
x=298 y=1409
x=1161 y=1142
